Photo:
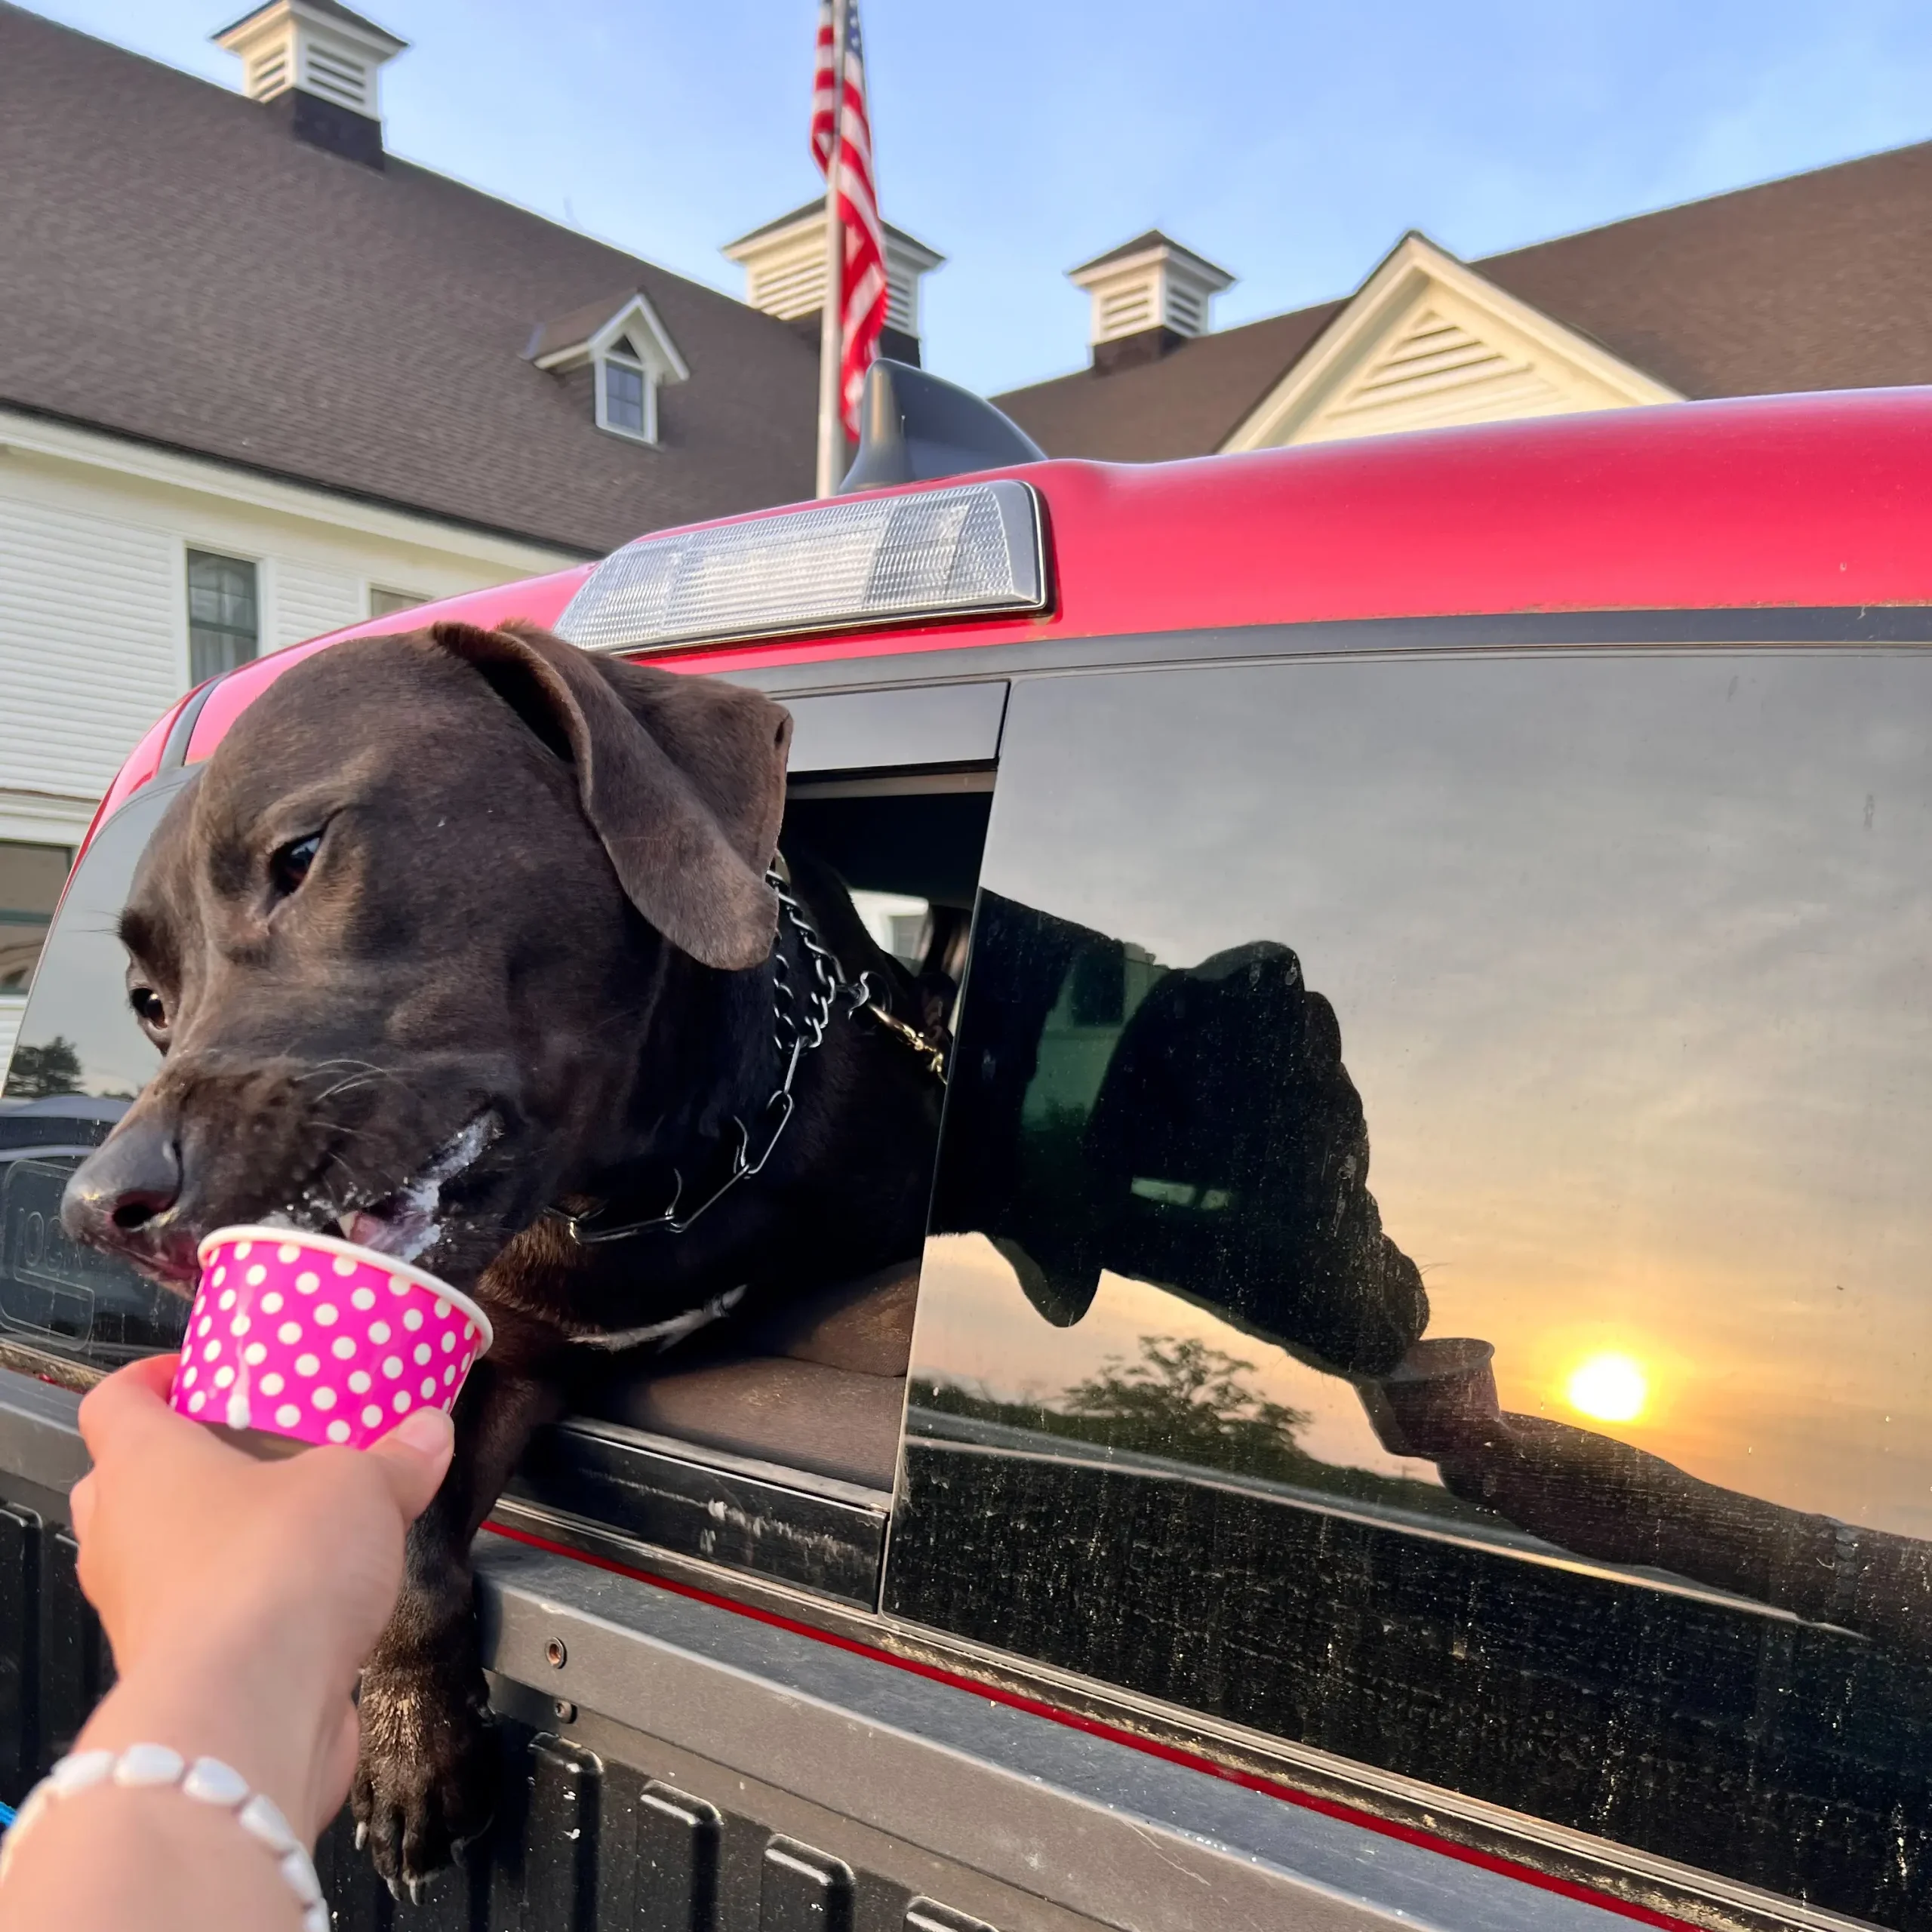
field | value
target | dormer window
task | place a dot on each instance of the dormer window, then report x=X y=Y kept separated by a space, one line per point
x=627 y=354
x=626 y=397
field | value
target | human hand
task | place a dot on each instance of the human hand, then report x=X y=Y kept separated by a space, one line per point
x=240 y=1596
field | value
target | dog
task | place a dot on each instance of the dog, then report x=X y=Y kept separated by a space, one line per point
x=465 y=944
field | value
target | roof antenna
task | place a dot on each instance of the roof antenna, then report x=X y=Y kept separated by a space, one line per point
x=913 y=427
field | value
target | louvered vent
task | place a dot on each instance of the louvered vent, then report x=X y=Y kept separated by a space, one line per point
x=1148 y=284
x=337 y=77
x=317 y=50
x=790 y=288
x=1436 y=370
x=268 y=75
x=902 y=298
x=785 y=270
x=1124 y=311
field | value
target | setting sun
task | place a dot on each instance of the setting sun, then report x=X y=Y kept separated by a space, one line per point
x=1613 y=1387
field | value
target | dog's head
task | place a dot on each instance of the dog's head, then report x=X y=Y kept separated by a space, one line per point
x=403 y=939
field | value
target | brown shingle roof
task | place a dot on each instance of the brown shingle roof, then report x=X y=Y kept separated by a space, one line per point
x=174 y=266
x=1820 y=281
x=1185 y=404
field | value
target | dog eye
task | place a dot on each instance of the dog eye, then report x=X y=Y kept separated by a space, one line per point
x=149 y=1008
x=289 y=865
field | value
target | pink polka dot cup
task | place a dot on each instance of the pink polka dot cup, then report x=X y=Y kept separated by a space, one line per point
x=315 y=1340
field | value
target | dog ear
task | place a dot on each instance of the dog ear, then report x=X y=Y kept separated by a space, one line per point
x=682 y=778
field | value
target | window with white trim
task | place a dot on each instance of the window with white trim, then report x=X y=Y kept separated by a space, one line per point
x=224 y=613
x=627 y=393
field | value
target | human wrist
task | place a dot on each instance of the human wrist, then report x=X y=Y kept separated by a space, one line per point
x=152 y=1857
x=275 y=1737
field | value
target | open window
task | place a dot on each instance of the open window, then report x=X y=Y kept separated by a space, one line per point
x=772 y=1445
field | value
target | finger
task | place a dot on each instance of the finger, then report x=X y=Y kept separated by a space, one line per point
x=127 y=1398
x=413 y=1456
x=80 y=1507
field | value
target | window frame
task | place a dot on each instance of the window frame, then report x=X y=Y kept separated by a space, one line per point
x=399 y=600
x=256 y=567
x=605 y=360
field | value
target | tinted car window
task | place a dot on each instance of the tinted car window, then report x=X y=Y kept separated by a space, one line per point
x=79 y=1060
x=1431 y=1244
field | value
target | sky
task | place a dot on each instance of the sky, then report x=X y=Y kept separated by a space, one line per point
x=1292 y=143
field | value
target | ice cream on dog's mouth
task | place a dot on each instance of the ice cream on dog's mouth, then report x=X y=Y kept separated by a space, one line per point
x=403 y=1221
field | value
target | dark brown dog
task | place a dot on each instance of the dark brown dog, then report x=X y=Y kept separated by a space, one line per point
x=454 y=927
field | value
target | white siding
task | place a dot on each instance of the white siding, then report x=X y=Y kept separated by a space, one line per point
x=89 y=655
x=307 y=602
x=94 y=621
x=11 y=1008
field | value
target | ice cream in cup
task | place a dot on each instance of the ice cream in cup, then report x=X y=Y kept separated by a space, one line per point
x=297 y=1339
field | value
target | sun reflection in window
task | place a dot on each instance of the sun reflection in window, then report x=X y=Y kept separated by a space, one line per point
x=1611 y=1387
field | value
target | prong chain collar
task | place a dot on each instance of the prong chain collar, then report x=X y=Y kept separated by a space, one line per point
x=799 y=1025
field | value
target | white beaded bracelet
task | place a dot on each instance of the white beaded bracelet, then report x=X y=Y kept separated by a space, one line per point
x=207 y=1781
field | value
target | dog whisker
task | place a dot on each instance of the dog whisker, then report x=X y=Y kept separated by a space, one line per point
x=322 y=1068
x=353 y=1083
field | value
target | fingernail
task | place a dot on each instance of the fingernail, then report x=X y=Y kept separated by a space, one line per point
x=427 y=1430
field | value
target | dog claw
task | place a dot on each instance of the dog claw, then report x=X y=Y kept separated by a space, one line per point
x=361 y=1836
x=419 y=1889
x=395 y=1889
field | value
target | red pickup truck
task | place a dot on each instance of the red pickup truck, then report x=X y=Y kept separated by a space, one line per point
x=1544 y=810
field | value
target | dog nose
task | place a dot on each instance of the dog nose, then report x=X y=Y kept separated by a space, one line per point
x=122 y=1186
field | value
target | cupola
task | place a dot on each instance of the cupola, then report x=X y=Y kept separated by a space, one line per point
x=1150 y=295
x=784 y=264
x=322 y=66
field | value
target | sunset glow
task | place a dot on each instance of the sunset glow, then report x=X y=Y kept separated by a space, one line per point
x=1612 y=1388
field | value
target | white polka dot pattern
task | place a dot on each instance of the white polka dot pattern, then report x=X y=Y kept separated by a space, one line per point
x=343 y=1369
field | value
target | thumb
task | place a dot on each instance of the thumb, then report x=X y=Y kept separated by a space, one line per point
x=413 y=1456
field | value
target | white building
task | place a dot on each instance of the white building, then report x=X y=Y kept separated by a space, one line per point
x=1822 y=281
x=259 y=379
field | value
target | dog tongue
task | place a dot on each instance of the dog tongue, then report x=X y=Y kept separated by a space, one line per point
x=405 y=1235
x=409 y=1226
x=366 y=1230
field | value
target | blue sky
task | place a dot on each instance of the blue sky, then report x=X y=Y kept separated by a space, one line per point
x=1291 y=143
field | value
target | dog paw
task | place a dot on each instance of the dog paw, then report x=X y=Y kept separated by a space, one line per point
x=426 y=1782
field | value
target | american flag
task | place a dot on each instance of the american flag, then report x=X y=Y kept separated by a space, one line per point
x=863 y=285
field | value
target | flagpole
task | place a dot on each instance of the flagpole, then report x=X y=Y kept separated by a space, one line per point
x=832 y=329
